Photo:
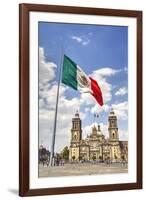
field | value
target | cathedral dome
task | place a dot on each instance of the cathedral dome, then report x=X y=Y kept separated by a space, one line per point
x=77 y=114
x=112 y=113
x=94 y=128
x=99 y=130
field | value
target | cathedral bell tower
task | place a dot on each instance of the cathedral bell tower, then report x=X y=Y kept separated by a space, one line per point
x=113 y=127
x=76 y=136
x=76 y=131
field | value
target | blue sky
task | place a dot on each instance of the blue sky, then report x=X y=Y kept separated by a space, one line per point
x=102 y=52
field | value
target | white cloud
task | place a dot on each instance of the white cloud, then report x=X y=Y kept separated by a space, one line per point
x=121 y=110
x=98 y=109
x=87 y=130
x=87 y=99
x=123 y=134
x=106 y=89
x=122 y=91
x=107 y=71
x=78 y=39
x=46 y=69
x=66 y=110
x=104 y=129
x=100 y=76
x=82 y=40
x=47 y=103
x=85 y=42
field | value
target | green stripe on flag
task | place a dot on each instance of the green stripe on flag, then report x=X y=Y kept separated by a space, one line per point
x=69 y=73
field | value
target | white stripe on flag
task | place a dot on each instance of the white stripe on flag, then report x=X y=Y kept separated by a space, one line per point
x=83 y=81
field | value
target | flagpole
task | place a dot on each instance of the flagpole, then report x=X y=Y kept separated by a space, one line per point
x=51 y=163
x=94 y=118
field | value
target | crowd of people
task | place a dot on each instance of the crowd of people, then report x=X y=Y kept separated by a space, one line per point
x=57 y=162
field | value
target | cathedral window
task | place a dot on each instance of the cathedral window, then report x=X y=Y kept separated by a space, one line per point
x=75 y=137
x=112 y=123
x=74 y=125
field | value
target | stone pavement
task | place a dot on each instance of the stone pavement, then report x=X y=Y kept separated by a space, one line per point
x=82 y=169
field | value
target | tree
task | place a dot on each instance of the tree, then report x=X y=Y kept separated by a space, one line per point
x=43 y=154
x=123 y=157
x=65 y=153
x=108 y=159
x=73 y=157
x=93 y=157
x=80 y=157
x=100 y=158
x=116 y=158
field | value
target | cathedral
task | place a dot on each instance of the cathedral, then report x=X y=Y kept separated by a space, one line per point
x=95 y=146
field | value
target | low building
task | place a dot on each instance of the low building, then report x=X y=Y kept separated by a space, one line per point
x=44 y=154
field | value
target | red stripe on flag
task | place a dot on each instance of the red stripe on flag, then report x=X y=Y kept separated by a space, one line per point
x=96 y=91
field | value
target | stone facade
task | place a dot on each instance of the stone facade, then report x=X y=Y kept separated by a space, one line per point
x=95 y=146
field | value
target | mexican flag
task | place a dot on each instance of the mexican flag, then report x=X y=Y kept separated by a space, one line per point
x=74 y=77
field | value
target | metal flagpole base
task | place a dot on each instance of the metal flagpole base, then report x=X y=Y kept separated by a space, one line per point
x=52 y=162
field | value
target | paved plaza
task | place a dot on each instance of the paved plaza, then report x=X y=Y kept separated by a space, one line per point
x=82 y=169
